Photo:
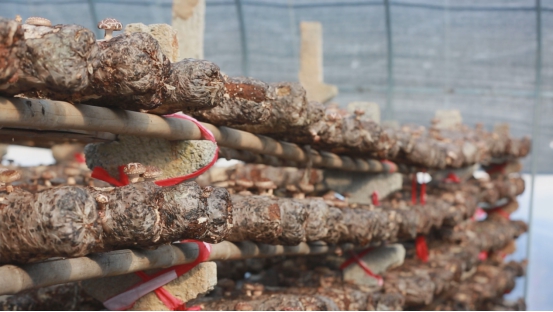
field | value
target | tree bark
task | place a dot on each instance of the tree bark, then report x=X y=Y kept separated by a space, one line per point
x=41 y=58
x=340 y=296
x=192 y=86
x=502 y=186
x=64 y=297
x=284 y=221
x=70 y=221
x=488 y=235
x=487 y=283
x=129 y=72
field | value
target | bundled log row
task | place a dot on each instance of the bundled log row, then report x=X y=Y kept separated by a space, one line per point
x=483 y=290
x=72 y=221
x=64 y=297
x=503 y=186
x=130 y=71
x=334 y=297
x=307 y=283
x=485 y=235
x=107 y=218
x=297 y=284
x=420 y=282
x=290 y=221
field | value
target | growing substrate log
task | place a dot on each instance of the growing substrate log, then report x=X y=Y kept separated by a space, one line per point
x=192 y=85
x=288 y=221
x=500 y=304
x=420 y=282
x=283 y=221
x=489 y=235
x=128 y=72
x=275 y=109
x=338 y=296
x=488 y=282
x=452 y=148
x=39 y=58
x=75 y=221
x=500 y=187
x=243 y=101
x=64 y=297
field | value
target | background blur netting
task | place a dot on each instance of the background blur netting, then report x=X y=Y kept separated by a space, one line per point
x=476 y=56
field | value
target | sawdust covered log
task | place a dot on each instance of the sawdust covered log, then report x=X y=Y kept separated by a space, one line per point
x=284 y=221
x=75 y=221
x=488 y=235
x=64 y=297
x=487 y=283
x=500 y=187
x=363 y=226
x=338 y=296
x=421 y=282
x=276 y=109
x=11 y=45
x=348 y=135
x=41 y=58
x=244 y=101
x=192 y=85
x=255 y=218
x=129 y=72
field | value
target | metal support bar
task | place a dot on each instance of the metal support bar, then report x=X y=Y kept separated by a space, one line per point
x=389 y=113
x=61 y=116
x=94 y=17
x=536 y=121
x=243 y=39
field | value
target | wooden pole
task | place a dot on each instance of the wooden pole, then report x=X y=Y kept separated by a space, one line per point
x=57 y=115
x=14 y=279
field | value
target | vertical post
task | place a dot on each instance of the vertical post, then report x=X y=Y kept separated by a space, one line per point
x=294 y=32
x=447 y=80
x=243 y=39
x=94 y=17
x=535 y=138
x=311 y=63
x=189 y=22
x=389 y=113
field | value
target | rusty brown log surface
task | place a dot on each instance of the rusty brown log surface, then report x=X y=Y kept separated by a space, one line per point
x=289 y=221
x=36 y=58
x=75 y=221
x=489 y=235
x=484 y=289
x=503 y=186
x=64 y=297
x=192 y=85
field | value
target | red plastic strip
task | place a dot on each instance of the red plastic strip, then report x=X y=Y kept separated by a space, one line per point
x=452 y=178
x=169 y=300
x=483 y=255
x=357 y=259
x=479 y=213
x=392 y=167
x=501 y=212
x=414 y=189
x=499 y=168
x=374 y=198
x=423 y=192
x=421 y=248
x=102 y=174
x=351 y=260
x=79 y=157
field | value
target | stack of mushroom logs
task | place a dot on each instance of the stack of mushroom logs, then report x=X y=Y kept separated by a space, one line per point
x=254 y=202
